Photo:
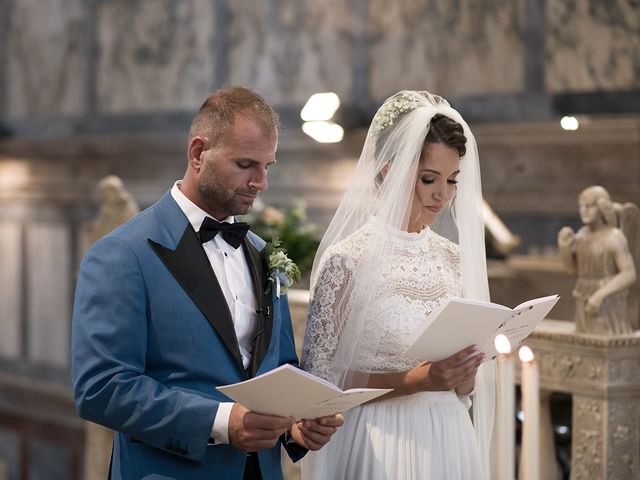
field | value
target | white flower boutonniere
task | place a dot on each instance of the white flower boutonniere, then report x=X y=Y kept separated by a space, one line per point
x=283 y=272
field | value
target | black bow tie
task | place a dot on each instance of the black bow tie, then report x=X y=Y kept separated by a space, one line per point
x=233 y=233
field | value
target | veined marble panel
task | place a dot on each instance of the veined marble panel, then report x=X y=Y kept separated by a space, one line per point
x=592 y=45
x=466 y=47
x=154 y=55
x=46 y=58
x=288 y=49
x=49 y=293
x=10 y=289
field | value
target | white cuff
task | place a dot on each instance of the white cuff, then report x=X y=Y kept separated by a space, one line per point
x=220 y=428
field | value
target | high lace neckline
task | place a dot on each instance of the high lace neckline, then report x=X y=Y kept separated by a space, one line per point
x=399 y=234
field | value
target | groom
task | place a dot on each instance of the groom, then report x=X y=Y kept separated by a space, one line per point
x=173 y=304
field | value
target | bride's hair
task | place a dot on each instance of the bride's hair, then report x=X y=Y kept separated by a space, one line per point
x=448 y=132
x=442 y=129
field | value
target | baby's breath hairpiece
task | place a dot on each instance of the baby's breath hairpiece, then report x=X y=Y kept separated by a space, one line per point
x=391 y=110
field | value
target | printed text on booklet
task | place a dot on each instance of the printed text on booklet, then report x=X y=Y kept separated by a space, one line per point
x=459 y=322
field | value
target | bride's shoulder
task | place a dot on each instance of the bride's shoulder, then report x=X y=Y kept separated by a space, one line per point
x=352 y=245
x=445 y=244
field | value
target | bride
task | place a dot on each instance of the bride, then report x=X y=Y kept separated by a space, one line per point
x=407 y=234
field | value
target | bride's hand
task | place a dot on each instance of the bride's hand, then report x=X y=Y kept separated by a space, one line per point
x=454 y=371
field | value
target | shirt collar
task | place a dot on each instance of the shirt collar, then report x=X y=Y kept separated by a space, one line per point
x=194 y=213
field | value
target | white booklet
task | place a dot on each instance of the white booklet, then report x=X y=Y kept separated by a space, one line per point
x=288 y=391
x=459 y=322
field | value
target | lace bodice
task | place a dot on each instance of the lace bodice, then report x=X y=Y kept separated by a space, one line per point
x=423 y=269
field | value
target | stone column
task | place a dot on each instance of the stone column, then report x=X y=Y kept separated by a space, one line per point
x=603 y=375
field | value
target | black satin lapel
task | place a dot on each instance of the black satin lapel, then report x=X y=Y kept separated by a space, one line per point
x=262 y=338
x=189 y=264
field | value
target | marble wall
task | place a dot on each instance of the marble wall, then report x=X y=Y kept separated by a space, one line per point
x=453 y=48
x=154 y=55
x=288 y=48
x=91 y=62
x=592 y=45
x=46 y=58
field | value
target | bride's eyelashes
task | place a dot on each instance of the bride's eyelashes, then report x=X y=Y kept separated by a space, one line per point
x=429 y=181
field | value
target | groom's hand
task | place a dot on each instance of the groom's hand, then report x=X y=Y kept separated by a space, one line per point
x=314 y=434
x=250 y=431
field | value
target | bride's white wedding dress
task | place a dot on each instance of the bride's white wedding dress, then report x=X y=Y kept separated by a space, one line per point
x=427 y=435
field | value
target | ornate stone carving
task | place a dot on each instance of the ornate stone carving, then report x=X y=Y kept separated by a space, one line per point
x=116 y=207
x=567 y=366
x=587 y=440
x=603 y=374
x=600 y=255
x=622 y=461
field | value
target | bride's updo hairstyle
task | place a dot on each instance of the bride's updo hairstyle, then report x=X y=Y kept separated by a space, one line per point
x=448 y=132
x=442 y=129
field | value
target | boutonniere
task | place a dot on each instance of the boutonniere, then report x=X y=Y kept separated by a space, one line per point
x=282 y=270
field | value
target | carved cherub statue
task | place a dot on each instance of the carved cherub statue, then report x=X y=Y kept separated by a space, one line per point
x=117 y=206
x=606 y=288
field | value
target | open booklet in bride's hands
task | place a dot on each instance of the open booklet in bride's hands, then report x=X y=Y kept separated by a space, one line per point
x=459 y=322
x=288 y=391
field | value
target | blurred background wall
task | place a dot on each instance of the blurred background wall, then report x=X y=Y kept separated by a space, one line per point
x=96 y=87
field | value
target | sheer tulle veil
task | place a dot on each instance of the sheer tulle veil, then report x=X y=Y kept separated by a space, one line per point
x=393 y=146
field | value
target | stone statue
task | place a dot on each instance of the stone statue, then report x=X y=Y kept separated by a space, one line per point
x=117 y=206
x=606 y=290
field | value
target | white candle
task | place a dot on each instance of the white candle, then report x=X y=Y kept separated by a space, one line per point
x=530 y=383
x=505 y=418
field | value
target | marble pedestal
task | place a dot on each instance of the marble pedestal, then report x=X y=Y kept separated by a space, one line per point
x=602 y=373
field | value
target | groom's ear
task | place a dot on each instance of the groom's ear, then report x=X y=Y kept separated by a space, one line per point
x=195 y=150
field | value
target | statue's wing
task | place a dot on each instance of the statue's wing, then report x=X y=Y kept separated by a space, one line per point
x=629 y=222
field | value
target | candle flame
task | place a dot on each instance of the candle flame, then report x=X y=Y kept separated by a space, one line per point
x=525 y=354
x=502 y=344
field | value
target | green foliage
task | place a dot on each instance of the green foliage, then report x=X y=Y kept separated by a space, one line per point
x=290 y=228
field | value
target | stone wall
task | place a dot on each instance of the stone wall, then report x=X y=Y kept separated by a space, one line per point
x=107 y=65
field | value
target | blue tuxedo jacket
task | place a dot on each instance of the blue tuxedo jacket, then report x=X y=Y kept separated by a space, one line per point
x=152 y=337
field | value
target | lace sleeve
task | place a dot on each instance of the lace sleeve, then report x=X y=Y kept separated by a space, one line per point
x=326 y=317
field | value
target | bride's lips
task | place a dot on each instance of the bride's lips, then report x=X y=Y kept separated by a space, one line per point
x=434 y=208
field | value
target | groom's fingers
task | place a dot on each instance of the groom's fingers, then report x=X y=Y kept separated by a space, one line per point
x=314 y=434
x=258 y=421
x=251 y=431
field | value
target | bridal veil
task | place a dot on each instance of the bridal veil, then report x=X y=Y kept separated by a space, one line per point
x=382 y=187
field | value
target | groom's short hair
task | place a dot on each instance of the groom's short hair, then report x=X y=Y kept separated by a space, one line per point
x=217 y=115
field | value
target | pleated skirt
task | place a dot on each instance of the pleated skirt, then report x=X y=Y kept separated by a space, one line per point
x=423 y=436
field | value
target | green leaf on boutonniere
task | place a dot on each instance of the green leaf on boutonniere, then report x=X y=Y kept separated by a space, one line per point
x=282 y=271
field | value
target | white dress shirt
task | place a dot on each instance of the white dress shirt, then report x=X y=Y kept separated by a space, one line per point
x=232 y=271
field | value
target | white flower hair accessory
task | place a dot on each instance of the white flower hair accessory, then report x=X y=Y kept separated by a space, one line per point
x=283 y=272
x=391 y=110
